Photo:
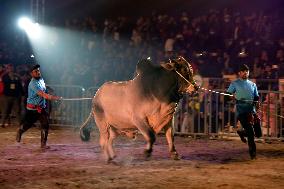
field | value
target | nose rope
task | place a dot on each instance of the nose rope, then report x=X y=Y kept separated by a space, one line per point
x=212 y=91
x=193 y=83
x=75 y=99
x=202 y=88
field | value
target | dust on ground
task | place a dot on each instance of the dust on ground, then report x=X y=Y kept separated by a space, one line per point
x=72 y=164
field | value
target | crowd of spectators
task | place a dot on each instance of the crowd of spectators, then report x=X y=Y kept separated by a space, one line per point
x=215 y=43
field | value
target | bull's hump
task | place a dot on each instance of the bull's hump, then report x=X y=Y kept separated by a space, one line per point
x=159 y=83
x=119 y=83
x=145 y=66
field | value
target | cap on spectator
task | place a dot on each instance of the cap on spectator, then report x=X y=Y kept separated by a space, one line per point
x=243 y=67
x=35 y=67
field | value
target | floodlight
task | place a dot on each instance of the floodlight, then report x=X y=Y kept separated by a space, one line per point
x=24 y=23
x=32 y=29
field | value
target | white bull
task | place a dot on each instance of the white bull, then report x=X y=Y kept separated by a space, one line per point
x=147 y=103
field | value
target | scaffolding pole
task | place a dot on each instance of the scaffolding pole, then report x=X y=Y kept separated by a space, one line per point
x=37 y=9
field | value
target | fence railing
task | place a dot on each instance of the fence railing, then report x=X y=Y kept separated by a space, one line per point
x=71 y=112
x=208 y=114
x=205 y=113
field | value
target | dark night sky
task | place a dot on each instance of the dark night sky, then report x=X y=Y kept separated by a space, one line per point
x=111 y=8
x=11 y=9
x=59 y=10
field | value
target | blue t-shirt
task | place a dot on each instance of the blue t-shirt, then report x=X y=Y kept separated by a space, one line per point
x=34 y=87
x=245 y=91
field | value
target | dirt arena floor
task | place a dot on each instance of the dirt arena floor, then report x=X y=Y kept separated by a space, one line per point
x=72 y=164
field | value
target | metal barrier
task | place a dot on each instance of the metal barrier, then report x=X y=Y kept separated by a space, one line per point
x=208 y=114
x=205 y=113
x=91 y=91
x=272 y=113
x=69 y=113
x=262 y=84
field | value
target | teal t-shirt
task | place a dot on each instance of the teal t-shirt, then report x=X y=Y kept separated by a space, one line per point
x=35 y=86
x=245 y=91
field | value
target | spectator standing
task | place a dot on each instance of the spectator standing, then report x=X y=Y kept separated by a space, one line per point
x=12 y=95
x=2 y=73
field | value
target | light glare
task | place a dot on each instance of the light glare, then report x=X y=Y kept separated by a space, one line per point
x=24 y=23
x=32 y=29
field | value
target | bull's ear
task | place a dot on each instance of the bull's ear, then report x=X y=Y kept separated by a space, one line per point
x=168 y=66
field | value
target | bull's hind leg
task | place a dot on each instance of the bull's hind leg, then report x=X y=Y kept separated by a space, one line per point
x=112 y=136
x=170 y=138
x=104 y=137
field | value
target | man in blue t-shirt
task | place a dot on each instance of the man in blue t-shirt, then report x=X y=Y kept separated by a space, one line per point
x=36 y=106
x=247 y=101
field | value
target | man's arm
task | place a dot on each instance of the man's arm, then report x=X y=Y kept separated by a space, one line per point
x=229 y=98
x=48 y=96
x=256 y=98
x=231 y=90
x=256 y=102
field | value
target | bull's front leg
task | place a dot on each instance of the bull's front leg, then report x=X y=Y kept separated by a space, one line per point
x=150 y=137
x=148 y=134
x=170 y=138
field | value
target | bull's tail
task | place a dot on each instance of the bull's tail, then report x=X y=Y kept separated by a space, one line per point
x=85 y=132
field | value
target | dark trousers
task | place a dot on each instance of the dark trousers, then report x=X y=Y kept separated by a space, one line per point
x=246 y=120
x=31 y=116
x=11 y=103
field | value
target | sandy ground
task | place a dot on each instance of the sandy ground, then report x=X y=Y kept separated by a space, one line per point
x=70 y=163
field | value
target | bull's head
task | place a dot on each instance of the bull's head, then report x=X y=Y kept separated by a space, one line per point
x=185 y=74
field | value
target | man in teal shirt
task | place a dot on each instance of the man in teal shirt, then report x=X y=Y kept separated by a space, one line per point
x=36 y=106
x=246 y=95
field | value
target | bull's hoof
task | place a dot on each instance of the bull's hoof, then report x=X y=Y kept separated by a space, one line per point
x=111 y=162
x=148 y=153
x=175 y=156
x=113 y=157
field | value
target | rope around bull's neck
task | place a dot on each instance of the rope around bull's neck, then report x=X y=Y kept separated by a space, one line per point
x=76 y=99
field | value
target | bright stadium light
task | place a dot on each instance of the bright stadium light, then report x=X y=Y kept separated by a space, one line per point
x=32 y=29
x=24 y=23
